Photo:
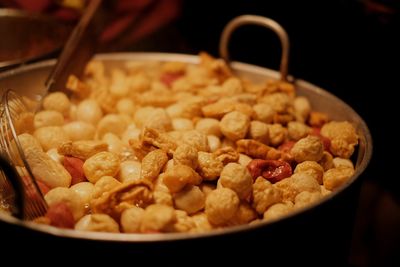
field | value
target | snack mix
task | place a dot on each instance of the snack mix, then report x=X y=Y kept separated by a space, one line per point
x=175 y=147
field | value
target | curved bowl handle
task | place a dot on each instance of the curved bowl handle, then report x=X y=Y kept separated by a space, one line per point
x=261 y=21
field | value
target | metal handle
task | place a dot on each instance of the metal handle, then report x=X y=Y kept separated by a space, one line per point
x=261 y=21
x=11 y=182
x=77 y=51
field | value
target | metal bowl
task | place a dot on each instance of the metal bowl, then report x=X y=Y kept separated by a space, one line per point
x=334 y=212
x=27 y=37
x=322 y=230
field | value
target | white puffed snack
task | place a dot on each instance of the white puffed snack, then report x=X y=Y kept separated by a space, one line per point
x=129 y=170
x=111 y=123
x=101 y=164
x=115 y=145
x=302 y=108
x=97 y=223
x=221 y=205
x=264 y=195
x=142 y=115
x=152 y=164
x=308 y=148
x=343 y=137
x=278 y=210
x=259 y=131
x=157 y=218
x=213 y=142
x=57 y=101
x=184 y=223
x=341 y=162
x=201 y=223
x=131 y=219
x=208 y=126
x=296 y=184
x=277 y=134
x=179 y=176
x=312 y=168
x=263 y=112
x=119 y=86
x=297 y=130
x=244 y=160
x=89 y=111
x=84 y=190
x=279 y=102
x=51 y=137
x=126 y=106
x=186 y=155
x=48 y=118
x=306 y=198
x=69 y=197
x=159 y=119
x=234 y=125
x=182 y=124
x=245 y=214
x=79 y=130
x=336 y=177
x=237 y=178
x=54 y=155
x=131 y=132
x=210 y=166
x=196 y=139
x=191 y=199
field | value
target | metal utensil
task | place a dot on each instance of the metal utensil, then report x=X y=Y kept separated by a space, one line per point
x=21 y=187
x=25 y=200
x=79 y=48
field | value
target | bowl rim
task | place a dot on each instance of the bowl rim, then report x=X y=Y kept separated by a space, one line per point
x=162 y=237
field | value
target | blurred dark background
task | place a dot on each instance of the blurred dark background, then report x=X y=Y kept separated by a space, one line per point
x=348 y=47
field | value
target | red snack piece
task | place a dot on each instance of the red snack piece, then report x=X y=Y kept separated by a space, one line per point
x=75 y=167
x=60 y=215
x=168 y=77
x=272 y=170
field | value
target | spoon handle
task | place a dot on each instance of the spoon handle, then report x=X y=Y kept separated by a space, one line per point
x=78 y=50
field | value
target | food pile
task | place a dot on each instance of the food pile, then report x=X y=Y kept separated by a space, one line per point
x=177 y=147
